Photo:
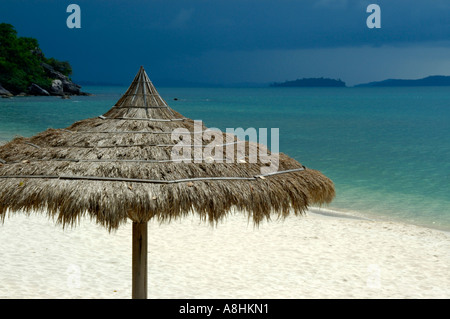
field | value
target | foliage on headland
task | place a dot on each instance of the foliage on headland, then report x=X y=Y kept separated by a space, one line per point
x=311 y=82
x=22 y=64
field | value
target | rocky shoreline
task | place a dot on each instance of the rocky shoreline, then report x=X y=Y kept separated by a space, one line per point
x=61 y=86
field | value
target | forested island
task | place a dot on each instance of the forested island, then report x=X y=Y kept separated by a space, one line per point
x=310 y=82
x=24 y=69
x=435 y=80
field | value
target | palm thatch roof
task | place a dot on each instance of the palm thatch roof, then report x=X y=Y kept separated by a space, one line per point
x=119 y=166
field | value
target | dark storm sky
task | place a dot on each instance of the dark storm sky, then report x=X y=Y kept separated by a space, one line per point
x=239 y=41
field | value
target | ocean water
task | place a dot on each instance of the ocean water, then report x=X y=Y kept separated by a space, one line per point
x=386 y=149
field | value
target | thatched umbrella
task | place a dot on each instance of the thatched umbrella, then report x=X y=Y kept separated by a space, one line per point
x=122 y=166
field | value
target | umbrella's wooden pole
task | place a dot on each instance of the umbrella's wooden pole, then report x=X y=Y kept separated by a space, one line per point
x=139 y=278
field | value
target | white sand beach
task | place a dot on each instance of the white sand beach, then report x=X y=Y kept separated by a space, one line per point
x=314 y=256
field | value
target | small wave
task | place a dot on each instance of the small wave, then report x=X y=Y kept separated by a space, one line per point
x=336 y=213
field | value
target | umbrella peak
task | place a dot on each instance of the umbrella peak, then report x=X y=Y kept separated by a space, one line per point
x=141 y=101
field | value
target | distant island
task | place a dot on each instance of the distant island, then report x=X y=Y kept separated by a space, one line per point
x=435 y=80
x=24 y=69
x=310 y=82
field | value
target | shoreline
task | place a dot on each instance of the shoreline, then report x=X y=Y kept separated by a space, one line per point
x=360 y=215
x=336 y=213
x=61 y=96
x=317 y=255
x=339 y=213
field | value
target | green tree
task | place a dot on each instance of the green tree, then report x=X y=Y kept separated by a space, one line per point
x=60 y=66
x=21 y=62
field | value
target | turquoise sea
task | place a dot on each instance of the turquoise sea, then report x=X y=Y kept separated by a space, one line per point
x=386 y=149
